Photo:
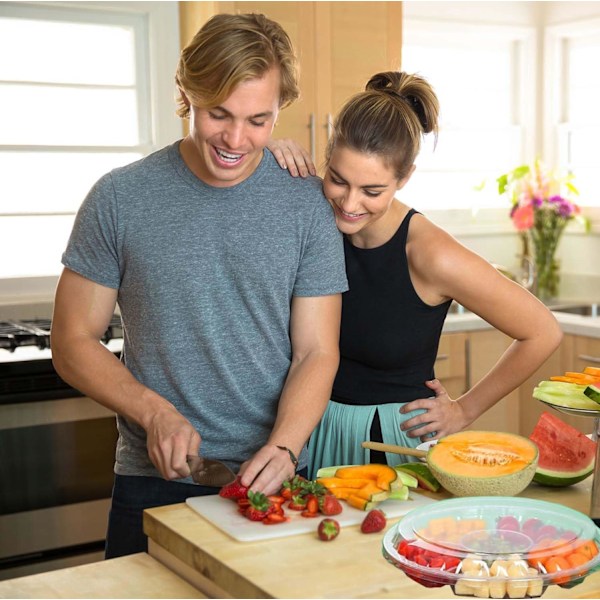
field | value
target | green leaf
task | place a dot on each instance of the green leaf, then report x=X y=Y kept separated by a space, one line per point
x=502 y=183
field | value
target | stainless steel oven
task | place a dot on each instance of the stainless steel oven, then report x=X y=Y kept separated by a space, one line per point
x=56 y=457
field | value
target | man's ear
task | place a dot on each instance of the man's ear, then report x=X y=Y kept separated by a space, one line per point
x=406 y=179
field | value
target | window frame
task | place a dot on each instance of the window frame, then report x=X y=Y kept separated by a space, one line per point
x=157 y=52
x=464 y=221
x=555 y=126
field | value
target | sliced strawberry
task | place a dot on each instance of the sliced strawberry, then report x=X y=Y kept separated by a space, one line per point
x=259 y=507
x=234 y=490
x=274 y=518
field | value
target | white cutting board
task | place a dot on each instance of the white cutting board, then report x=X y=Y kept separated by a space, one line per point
x=224 y=514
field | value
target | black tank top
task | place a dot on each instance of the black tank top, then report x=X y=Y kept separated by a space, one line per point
x=389 y=337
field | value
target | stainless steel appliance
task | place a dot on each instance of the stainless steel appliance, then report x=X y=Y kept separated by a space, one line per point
x=56 y=456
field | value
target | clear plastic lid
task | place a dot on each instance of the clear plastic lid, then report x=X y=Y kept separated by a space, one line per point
x=494 y=547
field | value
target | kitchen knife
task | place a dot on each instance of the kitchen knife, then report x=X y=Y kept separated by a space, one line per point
x=212 y=473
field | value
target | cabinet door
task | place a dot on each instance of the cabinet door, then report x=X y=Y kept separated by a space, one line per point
x=570 y=356
x=485 y=348
x=354 y=41
x=451 y=363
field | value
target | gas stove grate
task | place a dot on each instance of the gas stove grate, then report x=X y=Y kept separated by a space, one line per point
x=36 y=332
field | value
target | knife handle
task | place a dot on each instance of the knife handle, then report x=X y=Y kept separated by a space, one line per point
x=394 y=449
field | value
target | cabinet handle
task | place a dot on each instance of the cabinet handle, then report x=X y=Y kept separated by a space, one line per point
x=329 y=125
x=442 y=357
x=313 y=138
x=589 y=358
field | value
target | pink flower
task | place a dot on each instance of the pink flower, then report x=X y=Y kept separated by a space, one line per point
x=522 y=217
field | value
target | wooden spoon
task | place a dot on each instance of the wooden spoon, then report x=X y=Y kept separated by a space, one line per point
x=394 y=449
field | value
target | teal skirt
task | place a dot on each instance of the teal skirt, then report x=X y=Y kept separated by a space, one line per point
x=337 y=438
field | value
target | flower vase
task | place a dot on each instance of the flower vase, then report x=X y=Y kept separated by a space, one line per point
x=547 y=269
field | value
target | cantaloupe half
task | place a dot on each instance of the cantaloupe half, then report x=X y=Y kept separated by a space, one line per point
x=483 y=463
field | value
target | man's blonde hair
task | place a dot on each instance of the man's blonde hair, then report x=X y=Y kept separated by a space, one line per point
x=228 y=50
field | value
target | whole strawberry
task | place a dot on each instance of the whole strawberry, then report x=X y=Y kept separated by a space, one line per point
x=329 y=505
x=374 y=521
x=328 y=530
x=260 y=506
x=234 y=490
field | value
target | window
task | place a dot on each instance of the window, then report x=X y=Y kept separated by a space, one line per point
x=486 y=105
x=573 y=94
x=84 y=87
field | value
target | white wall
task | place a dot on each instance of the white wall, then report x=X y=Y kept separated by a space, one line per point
x=577 y=252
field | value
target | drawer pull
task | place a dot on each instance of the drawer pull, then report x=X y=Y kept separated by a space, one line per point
x=442 y=357
x=589 y=358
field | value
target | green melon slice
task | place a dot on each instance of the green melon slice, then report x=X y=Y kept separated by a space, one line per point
x=422 y=474
x=566 y=455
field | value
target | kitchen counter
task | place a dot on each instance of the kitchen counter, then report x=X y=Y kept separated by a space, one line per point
x=302 y=566
x=134 y=576
x=569 y=323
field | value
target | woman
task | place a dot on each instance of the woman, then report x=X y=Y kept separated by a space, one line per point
x=403 y=273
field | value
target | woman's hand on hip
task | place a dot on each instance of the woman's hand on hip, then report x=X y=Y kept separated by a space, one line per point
x=443 y=415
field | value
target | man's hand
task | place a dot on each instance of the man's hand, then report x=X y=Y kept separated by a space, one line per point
x=267 y=470
x=170 y=438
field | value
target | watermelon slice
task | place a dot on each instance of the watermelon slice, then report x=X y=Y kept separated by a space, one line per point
x=566 y=455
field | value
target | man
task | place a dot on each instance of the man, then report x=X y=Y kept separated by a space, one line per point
x=228 y=275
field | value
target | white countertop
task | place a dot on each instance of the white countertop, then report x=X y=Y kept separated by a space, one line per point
x=570 y=323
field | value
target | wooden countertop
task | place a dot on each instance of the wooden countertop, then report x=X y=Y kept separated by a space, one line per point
x=134 y=576
x=301 y=566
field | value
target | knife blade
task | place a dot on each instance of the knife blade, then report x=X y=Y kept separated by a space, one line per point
x=209 y=472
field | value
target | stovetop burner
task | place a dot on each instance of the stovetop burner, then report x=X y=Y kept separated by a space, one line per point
x=36 y=332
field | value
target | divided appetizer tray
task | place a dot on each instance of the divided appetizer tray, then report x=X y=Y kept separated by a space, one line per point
x=494 y=546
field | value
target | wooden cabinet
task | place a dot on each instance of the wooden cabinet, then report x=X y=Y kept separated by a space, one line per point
x=574 y=354
x=339 y=45
x=485 y=348
x=451 y=363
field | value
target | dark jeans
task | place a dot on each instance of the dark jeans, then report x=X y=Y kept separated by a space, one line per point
x=131 y=495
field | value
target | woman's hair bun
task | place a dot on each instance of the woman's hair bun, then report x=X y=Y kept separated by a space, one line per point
x=412 y=89
x=388 y=81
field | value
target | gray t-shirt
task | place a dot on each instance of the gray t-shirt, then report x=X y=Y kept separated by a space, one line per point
x=205 y=278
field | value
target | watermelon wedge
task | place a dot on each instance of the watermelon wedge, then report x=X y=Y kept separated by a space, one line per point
x=566 y=455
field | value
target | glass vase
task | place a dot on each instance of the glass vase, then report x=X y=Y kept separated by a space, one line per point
x=547 y=268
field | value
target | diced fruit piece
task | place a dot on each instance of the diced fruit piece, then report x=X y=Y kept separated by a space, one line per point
x=399 y=493
x=360 y=503
x=408 y=478
x=328 y=529
x=259 y=506
x=383 y=475
x=508 y=523
x=593 y=392
x=372 y=493
x=422 y=473
x=535 y=585
x=337 y=482
x=566 y=455
x=234 y=490
x=329 y=505
x=274 y=519
x=483 y=463
x=374 y=521
x=330 y=471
